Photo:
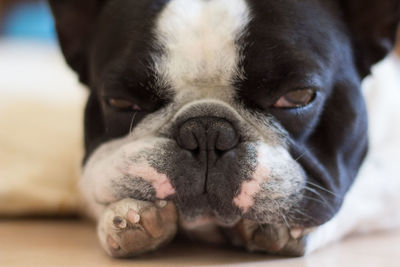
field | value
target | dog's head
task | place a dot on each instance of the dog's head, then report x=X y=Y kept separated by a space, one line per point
x=231 y=108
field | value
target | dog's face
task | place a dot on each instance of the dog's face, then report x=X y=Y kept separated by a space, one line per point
x=231 y=108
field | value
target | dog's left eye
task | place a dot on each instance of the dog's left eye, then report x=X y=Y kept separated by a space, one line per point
x=296 y=99
x=123 y=105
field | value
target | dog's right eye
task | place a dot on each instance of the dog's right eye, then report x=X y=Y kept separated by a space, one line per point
x=296 y=99
x=123 y=105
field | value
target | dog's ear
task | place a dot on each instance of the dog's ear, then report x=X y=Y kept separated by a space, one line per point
x=373 y=25
x=74 y=20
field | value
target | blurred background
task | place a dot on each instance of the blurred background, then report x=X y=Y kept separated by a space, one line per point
x=28 y=19
x=41 y=105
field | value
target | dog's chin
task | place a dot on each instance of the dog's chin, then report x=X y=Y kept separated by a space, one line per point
x=204 y=220
x=276 y=238
x=274 y=185
x=199 y=212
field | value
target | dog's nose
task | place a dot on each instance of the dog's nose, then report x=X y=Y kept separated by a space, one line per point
x=207 y=133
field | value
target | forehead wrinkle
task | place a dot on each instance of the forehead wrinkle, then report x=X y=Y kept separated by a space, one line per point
x=199 y=40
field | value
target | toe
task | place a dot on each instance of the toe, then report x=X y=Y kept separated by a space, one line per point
x=119 y=222
x=152 y=222
x=135 y=241
x=133 y=217
x=112 y=243
x=271 y=239
x=131 y=227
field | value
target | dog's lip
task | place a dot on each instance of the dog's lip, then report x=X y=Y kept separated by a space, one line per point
x=223 y=222
x=204 y=220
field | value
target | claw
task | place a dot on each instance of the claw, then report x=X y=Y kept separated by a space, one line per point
x=296 y=233
x=161 y=203
x=119 y=222
x=133 y=216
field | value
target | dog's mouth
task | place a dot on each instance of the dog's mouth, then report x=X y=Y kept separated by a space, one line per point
x=253 y=181
x=206 y=186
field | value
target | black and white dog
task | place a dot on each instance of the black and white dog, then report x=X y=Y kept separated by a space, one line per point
x=238 y=121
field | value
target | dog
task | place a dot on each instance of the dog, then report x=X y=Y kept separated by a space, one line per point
x=230 y=121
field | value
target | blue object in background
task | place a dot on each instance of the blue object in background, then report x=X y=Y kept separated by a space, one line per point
x=31 y=20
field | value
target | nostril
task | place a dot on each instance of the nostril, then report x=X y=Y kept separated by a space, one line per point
x=207 y=133
x=187 y=138
x=227 y=138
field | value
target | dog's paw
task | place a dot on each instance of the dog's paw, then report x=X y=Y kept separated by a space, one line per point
x=131 y=227
x=271 y=239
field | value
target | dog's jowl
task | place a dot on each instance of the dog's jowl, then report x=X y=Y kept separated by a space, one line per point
x=236 y=121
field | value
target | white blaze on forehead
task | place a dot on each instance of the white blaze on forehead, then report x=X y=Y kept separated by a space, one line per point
x=200 y=50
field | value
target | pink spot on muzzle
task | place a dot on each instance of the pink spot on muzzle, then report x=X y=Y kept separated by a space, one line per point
x=160 y=181
x=249 y=189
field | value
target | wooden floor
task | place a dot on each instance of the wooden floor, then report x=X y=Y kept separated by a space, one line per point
x=73 y=243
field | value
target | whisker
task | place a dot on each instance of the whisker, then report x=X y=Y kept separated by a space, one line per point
x=284 y=220
x=324 y=203
x=132 y=121
x=299 y=157
x=305 y=215
x=312 y=190
x=281 y=214
x=323 y=189
x=318 y=195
